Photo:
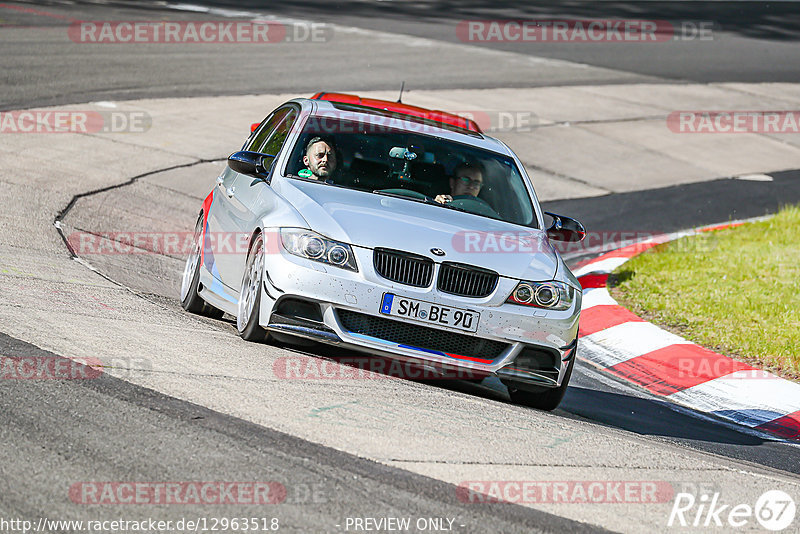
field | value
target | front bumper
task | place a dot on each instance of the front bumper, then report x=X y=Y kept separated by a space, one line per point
x=508 y=335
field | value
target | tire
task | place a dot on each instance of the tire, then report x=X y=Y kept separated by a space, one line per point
x=190 y=300
x=548 y=399
x=247 y=315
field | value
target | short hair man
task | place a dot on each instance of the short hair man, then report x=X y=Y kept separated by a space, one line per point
x=319 y=158
x=467 y=181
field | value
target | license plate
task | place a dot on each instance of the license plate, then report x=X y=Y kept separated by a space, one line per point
x=427 y=312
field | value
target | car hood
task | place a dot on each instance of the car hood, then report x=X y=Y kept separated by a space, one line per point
x=371 y=220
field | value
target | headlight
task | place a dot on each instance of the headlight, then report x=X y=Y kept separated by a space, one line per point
x=311 y=245
x=548 y=295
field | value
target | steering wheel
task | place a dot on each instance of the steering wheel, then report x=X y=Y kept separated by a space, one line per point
x=474 y=205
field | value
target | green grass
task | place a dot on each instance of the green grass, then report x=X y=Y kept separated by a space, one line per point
x=736 y=291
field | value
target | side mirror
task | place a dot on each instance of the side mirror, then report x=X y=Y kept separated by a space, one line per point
x=252 y=164
x=565 y=228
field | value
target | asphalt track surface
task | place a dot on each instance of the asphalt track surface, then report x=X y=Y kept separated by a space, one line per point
x=751 y=41
x=48 y=425
x=141 y=433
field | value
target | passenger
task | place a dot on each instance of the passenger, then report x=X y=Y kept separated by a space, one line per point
x=319 y=159
x=466 y=182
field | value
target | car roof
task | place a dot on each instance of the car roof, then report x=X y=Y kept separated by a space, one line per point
x=340 y=107
x=403 y=109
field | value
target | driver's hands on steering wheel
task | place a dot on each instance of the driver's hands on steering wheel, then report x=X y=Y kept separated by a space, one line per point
x=443 y=199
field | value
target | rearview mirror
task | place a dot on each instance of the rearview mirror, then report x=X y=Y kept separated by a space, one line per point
x=251 y=163
x=565 y=228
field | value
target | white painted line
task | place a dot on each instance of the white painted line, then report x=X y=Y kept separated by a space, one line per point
x=396 y=38
x=602 y=266
x=596 y=297
x=757 y=399
x=754 y=177
x=189 y=7
x=213 y=10
x=628 y=340
x=602 y=356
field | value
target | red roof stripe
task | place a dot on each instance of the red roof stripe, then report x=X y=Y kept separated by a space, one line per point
x=404 y=109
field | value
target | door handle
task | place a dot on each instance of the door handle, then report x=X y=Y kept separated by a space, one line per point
x=230 y=191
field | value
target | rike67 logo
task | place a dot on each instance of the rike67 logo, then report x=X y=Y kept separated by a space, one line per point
x=774 y=510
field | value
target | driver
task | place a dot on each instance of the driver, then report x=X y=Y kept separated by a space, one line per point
x=319 y=159
x=466 y=182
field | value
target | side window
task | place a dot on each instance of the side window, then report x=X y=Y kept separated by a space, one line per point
x=278 y=136
x=266 y=129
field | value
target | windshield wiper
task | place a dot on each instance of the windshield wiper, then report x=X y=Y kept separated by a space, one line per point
x=405 y=197
x=448 y=206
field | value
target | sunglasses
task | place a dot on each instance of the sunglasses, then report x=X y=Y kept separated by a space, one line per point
x=468 y=181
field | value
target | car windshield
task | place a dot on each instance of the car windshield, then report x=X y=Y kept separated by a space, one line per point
x=392 y=161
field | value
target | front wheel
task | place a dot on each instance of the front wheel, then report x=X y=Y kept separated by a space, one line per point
x=247 y=316
x=190 y=300
x=548 y=399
